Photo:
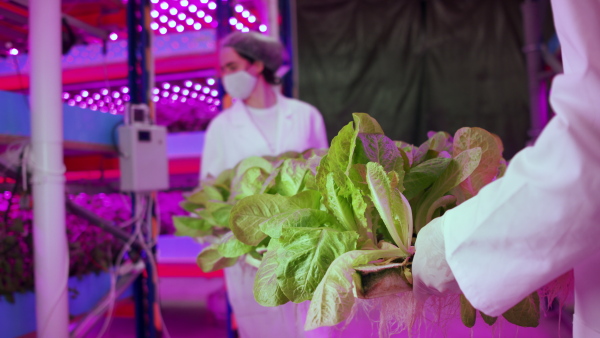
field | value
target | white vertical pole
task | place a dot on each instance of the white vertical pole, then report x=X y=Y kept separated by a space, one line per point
x=50 y=241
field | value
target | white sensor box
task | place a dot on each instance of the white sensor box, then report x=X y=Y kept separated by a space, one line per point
x=143 y=158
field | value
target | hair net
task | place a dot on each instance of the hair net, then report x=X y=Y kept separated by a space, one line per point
x=258 y=47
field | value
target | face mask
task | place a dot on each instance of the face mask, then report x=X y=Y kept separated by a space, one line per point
x=239 y=84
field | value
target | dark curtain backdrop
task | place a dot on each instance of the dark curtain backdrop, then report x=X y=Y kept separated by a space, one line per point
x=416 y=65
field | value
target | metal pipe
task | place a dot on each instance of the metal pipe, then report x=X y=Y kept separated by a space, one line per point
x=51 y=255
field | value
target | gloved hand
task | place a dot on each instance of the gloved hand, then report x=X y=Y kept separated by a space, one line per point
x=431 y=272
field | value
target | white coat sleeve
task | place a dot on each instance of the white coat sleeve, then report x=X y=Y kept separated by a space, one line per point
x=318 y=137
x=543 y=217
x=212 y=161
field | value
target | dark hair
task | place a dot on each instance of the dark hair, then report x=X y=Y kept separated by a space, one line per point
x=267 y=73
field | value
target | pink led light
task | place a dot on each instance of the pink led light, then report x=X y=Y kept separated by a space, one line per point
x=197 y=26
x=173 y=11
x=78 y=98
x=208 y=19
x=126 y=98
x=155 y=90
x=85 y=93
x=239 y=25
x=232 y=21
x=183 y=99
x=262 y=28
x=164 y=5
x=184 y=3
x=245 y=14
x=206 y=90
x=65 y=96
x=163 y=30
x=194 y=95
x=116 y=95
x=197 y=86
x=83 y=105
x=200 y=14
x=239 y=8
x=154 y=26
x=193 y=8
x=124 y=90
x=107 y=99
x=210 y=100
x=245 y=30
x=180 y=28
x=212 y=5
x=188 y=83
x=176 y=89
x=165 y=94
x=252 y=19
x=90 y=100
x=101 y=103
x=217 y=102
x=214 y=93
x=71 y=102
x=119 y=101
x=104 y=91
x=174 y=97
x=210 y=81
x=185 y=92
x=172 y=23
x=163 y=18
x=203 y=1
x=94 y=107
x=155 y=98
x=154 y=1
x=154 y=14
x=181 y=16
x=113 y=36
x=202 y=97
x=14 y=51
x=189 y=21
x=166 y=85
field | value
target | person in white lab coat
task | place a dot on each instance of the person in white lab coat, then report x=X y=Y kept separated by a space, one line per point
x=261 y=121
x=542 y=218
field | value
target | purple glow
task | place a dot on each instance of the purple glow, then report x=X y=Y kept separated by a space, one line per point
x=262 y=28
x=83 y=105
x=119 y=101
x=71 y=102
x=214 y=93
x=85 y=93
x=180 y=28
x=193 y=8
x=94 y=107
x=206 y=90
x=189 y=21
x=210 y=81
x=154 y=1
x=212 y=5
x=90 y=100
x=173 y=11
x=217 y=102
x=174 y=97
x=194 y=95
x=97 y=96
x=245 y=14
x=184 y=3
x=239 y=8
x=245 y=30
x=124 y=90
x=154 y=14
x=155 y=98
x=183 y=99
x=208 y=19
x=164 y=18
x=154 y=26
x=166 y=85
x=65 y=96
x=197 y=26
x=210 y=100
x=202 y=97
x=164 y=5
x=126 y=98
x=104 y=91
x=162 y=30
x=203 y=1
x=165 y=94
x=185 y=92
x=172 y=23
x=200 y=14
x=107 y=99
x=252 y=19
x=113 y=36
x=232 y=21
x=156 y=91
x=14 y=51
x=116 y=95
x=176 y=89
x=197 y=86
x=188 y=83
x=101 y=103
x=78 y=98
x=239 y=25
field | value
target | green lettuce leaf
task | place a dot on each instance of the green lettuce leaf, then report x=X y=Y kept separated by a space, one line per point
x=338 y=205
x=290 y=179
x=307 y=255
x=333 y=298
x=211 y=260
x=307 y=218
x=423 y=175
x=380 y=149
x=191 y=227
x=230 y=247
x=267 y=291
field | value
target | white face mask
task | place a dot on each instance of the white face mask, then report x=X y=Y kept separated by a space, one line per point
x=239 y=84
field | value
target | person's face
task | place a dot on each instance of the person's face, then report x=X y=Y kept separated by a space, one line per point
x=230 y=62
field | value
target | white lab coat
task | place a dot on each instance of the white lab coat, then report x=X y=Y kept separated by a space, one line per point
x=232 y=136
x=543 y=217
